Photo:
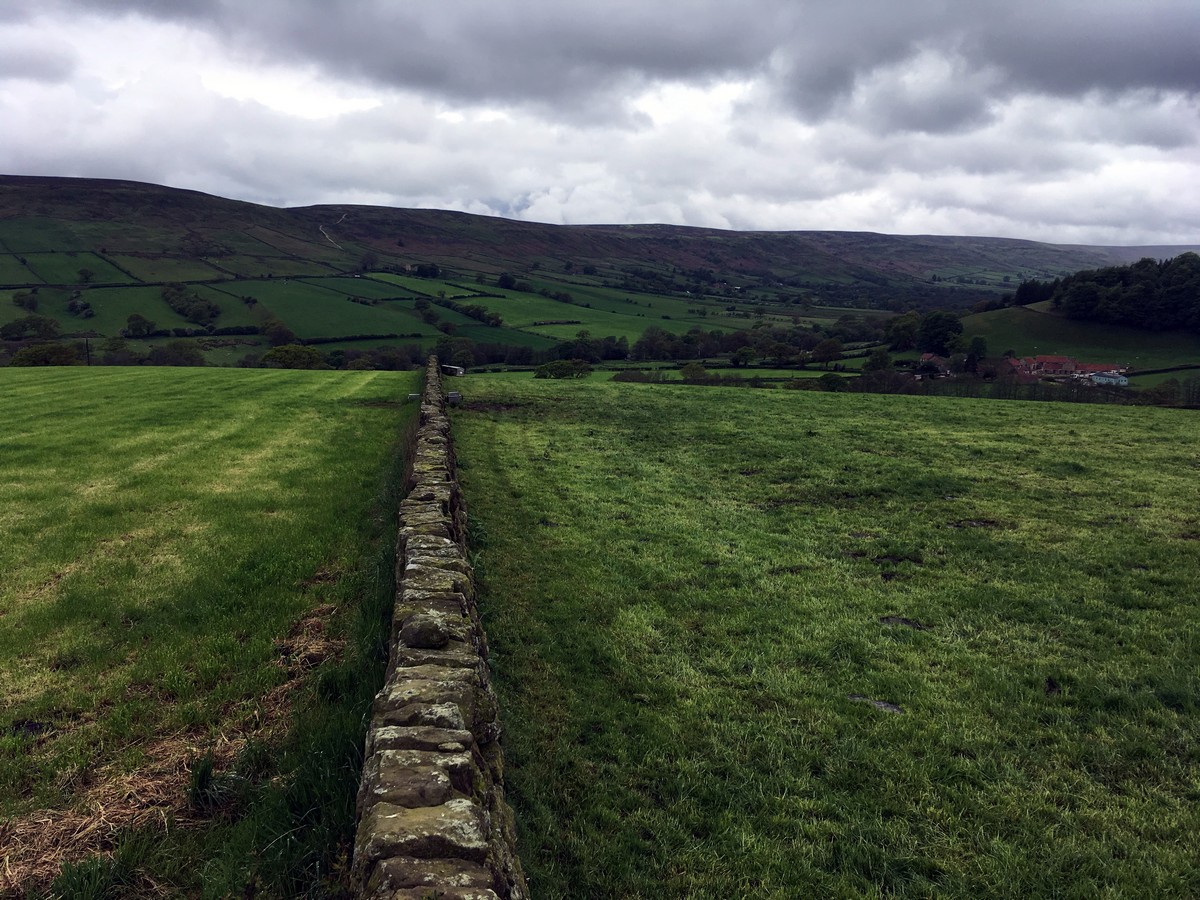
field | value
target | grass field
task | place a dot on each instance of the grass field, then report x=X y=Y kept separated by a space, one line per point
x=13 y=272
x=163 y=532
x=1034 y=330
x=787 y=644
x=314 y=311
x=151 y=268
x=63 y=268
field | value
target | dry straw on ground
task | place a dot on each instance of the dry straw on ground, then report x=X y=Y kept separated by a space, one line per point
x=108 y=802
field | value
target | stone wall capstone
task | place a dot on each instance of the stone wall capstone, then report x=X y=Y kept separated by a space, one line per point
x=432 y=818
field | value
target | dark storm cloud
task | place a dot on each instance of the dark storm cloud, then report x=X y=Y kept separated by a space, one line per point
x=550 y=51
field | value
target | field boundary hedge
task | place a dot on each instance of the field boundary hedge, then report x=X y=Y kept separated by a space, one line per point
x=432 y=816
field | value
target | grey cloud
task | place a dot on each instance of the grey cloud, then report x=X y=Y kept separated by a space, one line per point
x=42 y=62
x=554 y=52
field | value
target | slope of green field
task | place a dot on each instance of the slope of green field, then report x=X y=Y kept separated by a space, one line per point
x=314 y=311
x=367 y=288
x=267 y=266
x=162 y=532
x=785 y=644
x=1033 y=330
x=29 y=235
x=13 y=272
x=167 y=268
x=64 y=268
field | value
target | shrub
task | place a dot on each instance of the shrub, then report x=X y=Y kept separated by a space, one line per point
x=564 y=368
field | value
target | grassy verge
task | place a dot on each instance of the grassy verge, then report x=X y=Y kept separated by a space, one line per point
x=780 y=644
x=198 y=569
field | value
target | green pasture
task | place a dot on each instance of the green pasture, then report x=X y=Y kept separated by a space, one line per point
x=314 y=311
x=168 y=268
x=367 y=288
x=1033 y=330
x=63 y=268
x=786 y=644
x=162 y=530
x=32 y=235
x=430 y=287
x=268 y=266
x=12 y=272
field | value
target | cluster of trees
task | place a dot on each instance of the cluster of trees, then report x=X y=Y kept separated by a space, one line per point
x=936 y=331
x=30 y=328
x=1149 y=294
x=190 y=305
x=79 y=307
x=564 y=368
x=508 y=282
x=473 y=311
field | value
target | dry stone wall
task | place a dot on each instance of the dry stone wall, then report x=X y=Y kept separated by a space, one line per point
x=432 y=818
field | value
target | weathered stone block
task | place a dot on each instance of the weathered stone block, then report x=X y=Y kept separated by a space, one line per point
x=455 y=829
x=427 y=578
x=456 y=654
x=437 y=530
x=427 y=630
x=411 y=779
x=419 y=737
x=422 y=545
x=435 y=715
x=412 y=518
x=448 y=563
x=435 y=876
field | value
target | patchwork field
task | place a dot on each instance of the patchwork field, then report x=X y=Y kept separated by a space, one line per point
x=186 y=554
x=784 y=644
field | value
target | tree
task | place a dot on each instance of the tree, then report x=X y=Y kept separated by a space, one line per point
x=115 y=352
x=177 y=353
x=49 y=354
x=294 y=356
x=278 y=334
x=26 y=328
x=27 y=301
x=506 y=281
x=564 y=368
x=937 y=332
x=976 y=351
x=901 y=331
x=138 y=326
x=86 y=276
x=878 y=361
x=693 y=373
x=827 y=351
x=744 y=356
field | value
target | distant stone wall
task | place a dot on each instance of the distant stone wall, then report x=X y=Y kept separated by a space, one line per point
x=432 y=819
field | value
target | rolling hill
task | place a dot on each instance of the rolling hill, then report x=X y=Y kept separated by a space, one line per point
x=94 y=252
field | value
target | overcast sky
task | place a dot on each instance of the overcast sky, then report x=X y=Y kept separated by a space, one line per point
x=1057 y=120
